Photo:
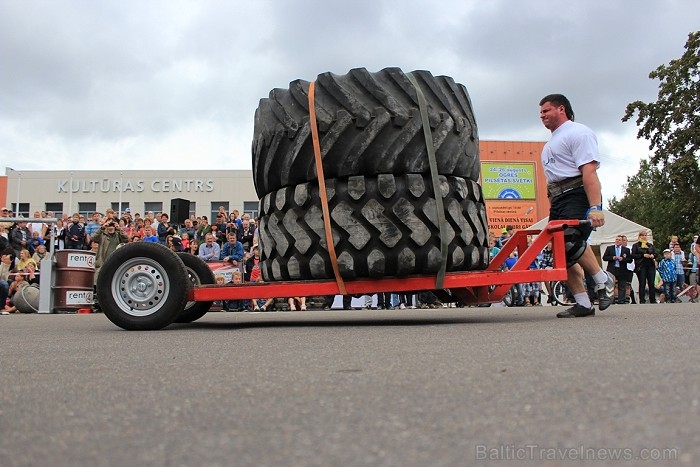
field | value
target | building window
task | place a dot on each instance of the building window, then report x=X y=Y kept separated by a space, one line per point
x=251 y=207
x=22 y=211
x=155 y=206
x=215 y=209
x=85 y=209
x=115 y=208
x=56 y=208
x=193 y=208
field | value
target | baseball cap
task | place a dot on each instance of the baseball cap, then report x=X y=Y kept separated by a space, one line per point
x=127 y=210
x=4 y=209
x=667 y=250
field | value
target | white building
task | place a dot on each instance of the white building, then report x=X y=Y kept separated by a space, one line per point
x=140 y=190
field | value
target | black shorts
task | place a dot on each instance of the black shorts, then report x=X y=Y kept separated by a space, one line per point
x=571 y=205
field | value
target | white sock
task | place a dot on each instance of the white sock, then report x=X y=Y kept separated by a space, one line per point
x=582 y=299
x=600 y=277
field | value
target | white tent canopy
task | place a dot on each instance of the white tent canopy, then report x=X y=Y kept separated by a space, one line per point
x=614 y=225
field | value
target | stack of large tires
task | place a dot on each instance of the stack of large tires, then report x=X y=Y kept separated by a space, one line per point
x=382 y=203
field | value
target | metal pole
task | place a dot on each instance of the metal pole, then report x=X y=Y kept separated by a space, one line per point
x=19 y=183
x=121 y=180
x=70 y=195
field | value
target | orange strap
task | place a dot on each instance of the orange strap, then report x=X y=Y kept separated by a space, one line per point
x=322 y=189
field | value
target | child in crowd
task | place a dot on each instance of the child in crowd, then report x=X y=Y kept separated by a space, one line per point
x=236 y=305
x=262 y=304
x=149 y=236
x=667 y=270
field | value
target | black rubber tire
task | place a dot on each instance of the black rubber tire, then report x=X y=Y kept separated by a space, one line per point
x=382 y=226
x=142 y=286
x=369 y=123
x=198 y=273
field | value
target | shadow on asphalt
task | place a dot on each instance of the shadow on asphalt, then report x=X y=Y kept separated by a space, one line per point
x=286 y=320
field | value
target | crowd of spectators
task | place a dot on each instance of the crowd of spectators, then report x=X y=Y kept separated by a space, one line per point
x=663 y=276
x=233 y=239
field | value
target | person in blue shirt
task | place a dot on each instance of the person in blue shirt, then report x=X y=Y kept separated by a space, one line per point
x=667 y=271
x=210 y=250
x=232 y=251
x=148 y=235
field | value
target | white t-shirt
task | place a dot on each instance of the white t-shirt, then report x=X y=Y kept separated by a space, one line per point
x=571 y=146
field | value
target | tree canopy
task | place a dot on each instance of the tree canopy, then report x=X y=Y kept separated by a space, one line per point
x=663 y=194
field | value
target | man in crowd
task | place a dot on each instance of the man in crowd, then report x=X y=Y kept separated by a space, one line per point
x=76 y=238
x=20 y=237
x=618 y=256
x=108 y=238
x=233 y=251
x=570 y=160
x=209 y=250
x=93 y=226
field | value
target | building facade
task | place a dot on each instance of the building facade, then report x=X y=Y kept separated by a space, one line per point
x=512 y=178
x=141 y=191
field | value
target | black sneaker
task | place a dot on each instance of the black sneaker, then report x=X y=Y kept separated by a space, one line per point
x=605 y=292
x=576 y=311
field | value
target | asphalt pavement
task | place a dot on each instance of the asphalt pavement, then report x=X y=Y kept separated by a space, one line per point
x=452 y=386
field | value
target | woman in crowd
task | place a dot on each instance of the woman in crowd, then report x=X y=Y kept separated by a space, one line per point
x=643 y=253
x=24 y=259
x=194 y=247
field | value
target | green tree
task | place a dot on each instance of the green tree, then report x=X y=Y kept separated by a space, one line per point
x=664 y=193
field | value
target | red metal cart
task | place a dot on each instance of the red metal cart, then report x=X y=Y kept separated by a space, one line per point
x=146 y=286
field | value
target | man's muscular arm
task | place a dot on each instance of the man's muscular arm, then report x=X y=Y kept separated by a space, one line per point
x=591 y=185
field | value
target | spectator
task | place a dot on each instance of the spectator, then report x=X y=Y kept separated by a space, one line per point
x=203 y=228
x=16 y=283
x=36 y=226
x=246 y=232
x=20 y=237
x=194 y=247
x=35 y=241
x=629 y=293
x=30 y=274
x=24 y=259
x=149 y=236
x=297 y=302
x=164 y=229
x=667 y=271
x=643 y=253
x=218 y=235
x=76 y=237
x=109 y=237
x=39 y=254
x=5 y=268
x=262 y=304
x=185 y=241
x=384 y=301
x=236 y=305
x=94 y=225
x=59 y=239
x=235 y=219
x=233 y=252
x=188 y=229
x=176 y=244
x=679 y=261
x=210 y=250
x=252 y=266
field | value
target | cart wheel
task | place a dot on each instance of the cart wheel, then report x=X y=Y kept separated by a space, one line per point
x=560 y=292
x=508 y=298
x=142 y=286
x=198 y=274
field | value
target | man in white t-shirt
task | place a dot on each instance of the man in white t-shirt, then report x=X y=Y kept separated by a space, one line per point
x=570 y=160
